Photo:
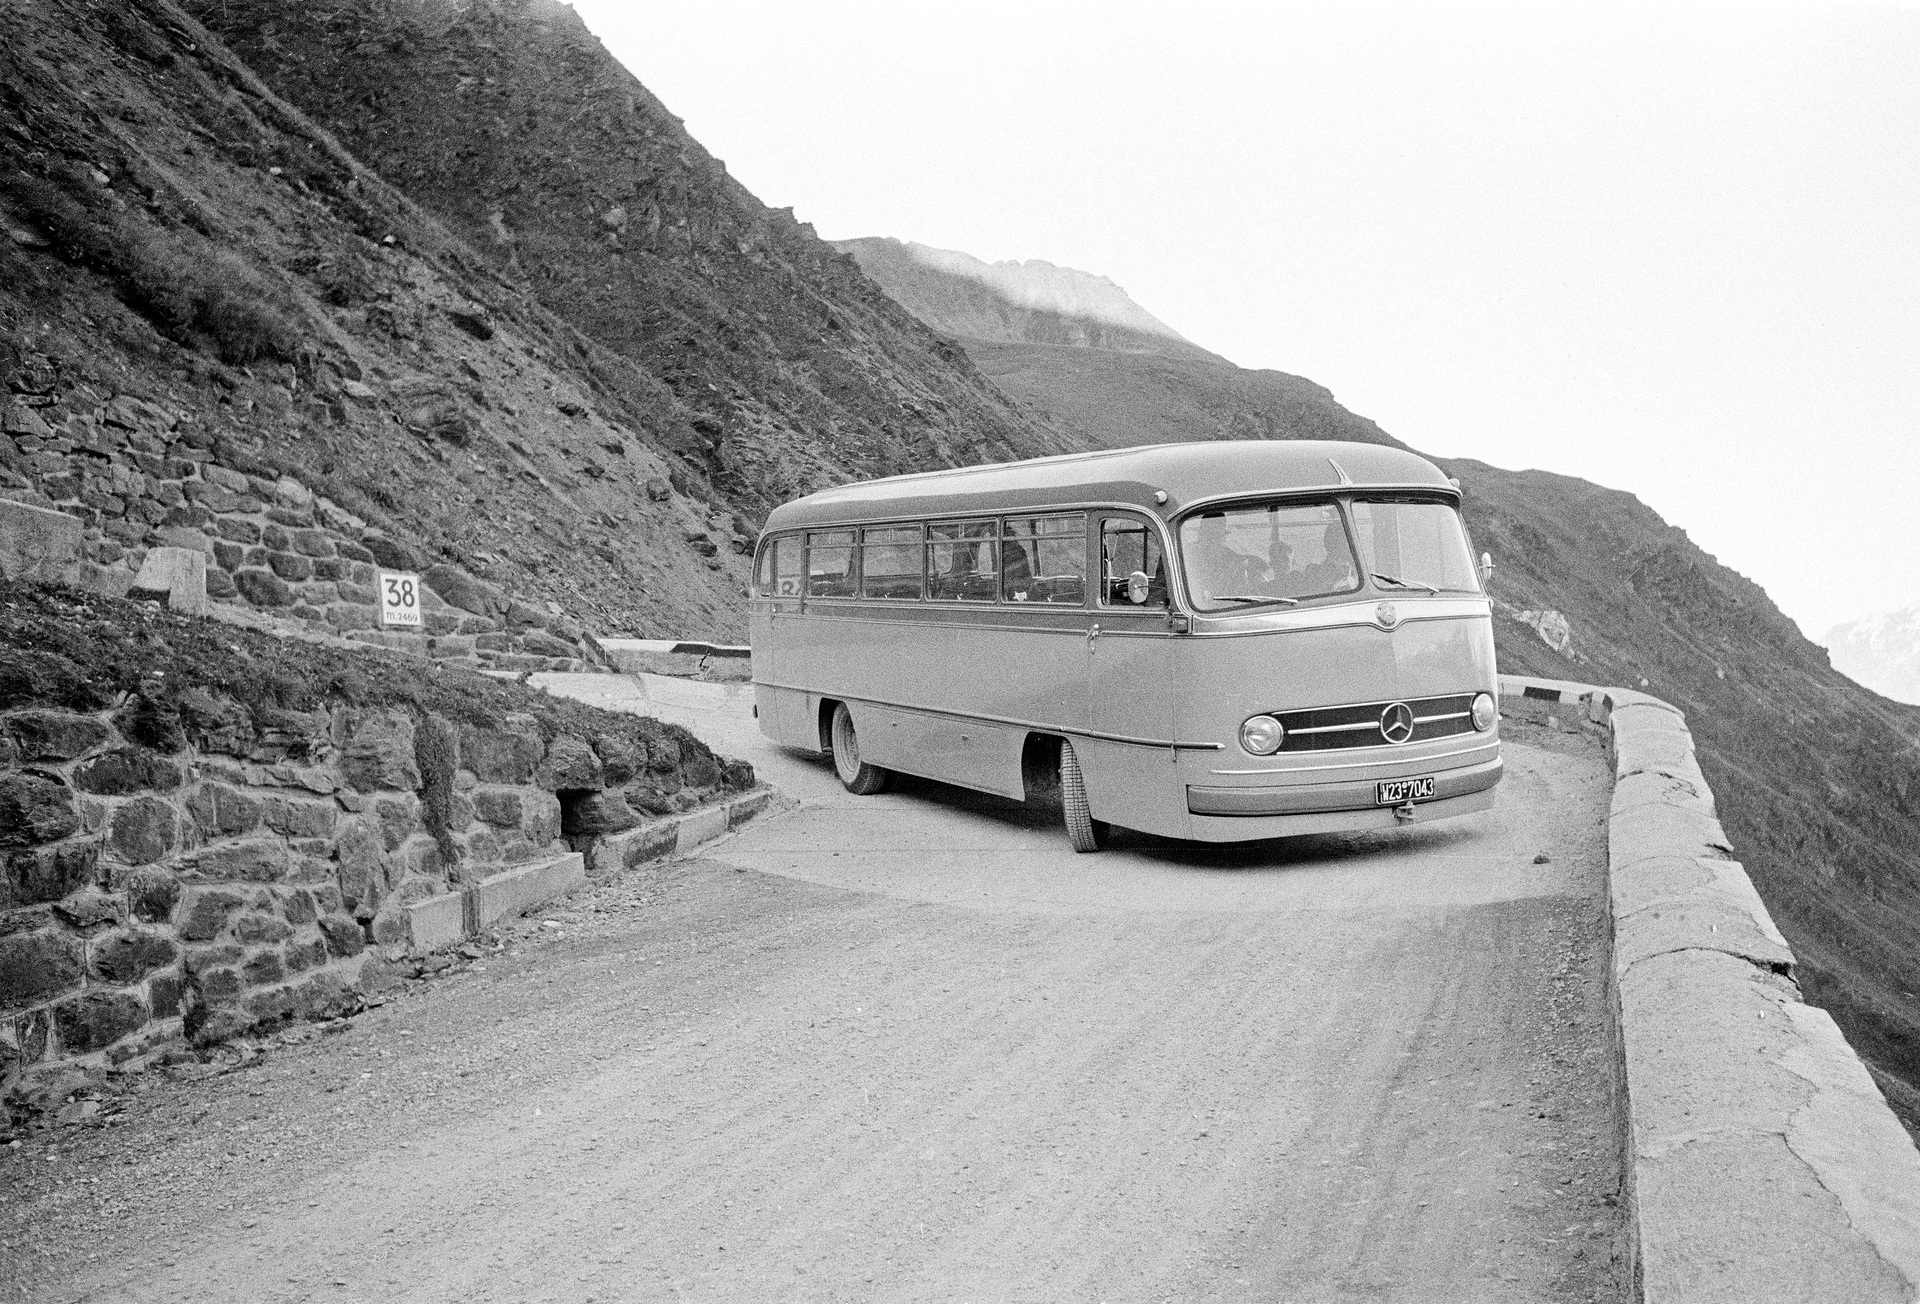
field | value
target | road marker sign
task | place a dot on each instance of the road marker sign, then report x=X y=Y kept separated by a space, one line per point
x=399 y=599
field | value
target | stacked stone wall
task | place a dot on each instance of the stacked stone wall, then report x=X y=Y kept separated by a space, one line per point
x=138 y=476
x=205 y=830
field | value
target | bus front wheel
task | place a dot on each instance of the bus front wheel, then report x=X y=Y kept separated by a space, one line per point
x=855 y=774
x=1084 y=831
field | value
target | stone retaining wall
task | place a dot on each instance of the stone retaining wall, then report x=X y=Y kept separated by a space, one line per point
x=1764 y=1164
x=204 y=829
x=136 y=476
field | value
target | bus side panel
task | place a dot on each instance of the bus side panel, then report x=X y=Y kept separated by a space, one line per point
x=968 y=753
x=1135 y=787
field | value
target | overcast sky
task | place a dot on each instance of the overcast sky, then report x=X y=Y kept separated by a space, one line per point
x=1672 y=250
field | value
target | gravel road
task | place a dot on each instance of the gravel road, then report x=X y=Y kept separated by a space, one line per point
x=910 y=1047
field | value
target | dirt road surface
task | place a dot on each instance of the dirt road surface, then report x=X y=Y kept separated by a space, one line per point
x=910 y=1047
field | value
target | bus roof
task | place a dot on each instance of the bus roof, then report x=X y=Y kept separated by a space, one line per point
x=1185 y=473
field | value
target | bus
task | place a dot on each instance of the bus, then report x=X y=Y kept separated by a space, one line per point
x=1208 y=641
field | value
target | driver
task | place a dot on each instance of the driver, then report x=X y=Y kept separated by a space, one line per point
x=1219 y=568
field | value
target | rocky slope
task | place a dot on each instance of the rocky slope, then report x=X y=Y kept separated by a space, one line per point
x=754 y=352
x=1818 y=780
x=1881 y=652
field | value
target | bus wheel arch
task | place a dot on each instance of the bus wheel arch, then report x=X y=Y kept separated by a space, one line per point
x=1051 y=776
x=843 y=745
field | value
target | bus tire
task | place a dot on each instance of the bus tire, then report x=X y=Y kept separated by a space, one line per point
x=1084 y=831
x=856 y=775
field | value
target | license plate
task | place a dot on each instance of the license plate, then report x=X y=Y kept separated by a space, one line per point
x=1392 y=792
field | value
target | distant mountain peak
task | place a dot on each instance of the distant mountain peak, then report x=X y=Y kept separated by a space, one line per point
x=1047 y=287
x=1881 y=652
x=1030 y=302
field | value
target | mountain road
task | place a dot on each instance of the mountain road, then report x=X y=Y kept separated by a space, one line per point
x=911 y=1047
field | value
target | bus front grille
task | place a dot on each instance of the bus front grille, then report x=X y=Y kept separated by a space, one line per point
x=1331 y=727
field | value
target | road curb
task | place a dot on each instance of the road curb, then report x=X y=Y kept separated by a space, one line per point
x=442 y=921
x=1762 y=1162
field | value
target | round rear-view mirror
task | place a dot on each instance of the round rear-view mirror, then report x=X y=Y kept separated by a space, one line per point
x=1137 y=588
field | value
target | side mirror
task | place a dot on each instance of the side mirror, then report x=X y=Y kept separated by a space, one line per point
x=1486 y=568
x=1137 y=584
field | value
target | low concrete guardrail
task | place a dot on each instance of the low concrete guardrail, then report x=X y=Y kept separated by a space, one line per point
x=1763 y=1163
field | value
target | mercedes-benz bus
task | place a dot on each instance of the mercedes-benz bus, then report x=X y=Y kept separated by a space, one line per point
x=1210 y=641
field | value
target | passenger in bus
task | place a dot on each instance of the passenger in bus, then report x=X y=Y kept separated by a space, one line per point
x=1017 y=571
x=1218 y=568
x=1333 y=573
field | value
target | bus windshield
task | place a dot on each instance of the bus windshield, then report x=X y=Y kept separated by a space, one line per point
x=1414 y=546
x=1266 y=553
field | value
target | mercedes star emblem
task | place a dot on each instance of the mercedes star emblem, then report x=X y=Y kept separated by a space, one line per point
x=1386 y=615
x=1396 y=723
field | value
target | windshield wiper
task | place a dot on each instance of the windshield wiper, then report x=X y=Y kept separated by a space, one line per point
x=1397 y=582
x=1252 y=597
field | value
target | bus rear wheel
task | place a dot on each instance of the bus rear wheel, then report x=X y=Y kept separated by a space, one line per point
x=1084 y=831
x=856 y=775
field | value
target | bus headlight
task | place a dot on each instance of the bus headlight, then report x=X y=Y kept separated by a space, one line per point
x=1262 y=735
x=1484 y=712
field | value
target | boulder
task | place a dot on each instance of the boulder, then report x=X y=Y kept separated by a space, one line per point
x=127 y=956
x=143 y=830
x=500 y=756
x=570 y=764
x=461 y=590
x=502 y=809
x=152 y=892
x=35 y=808
x=90 y=907
x=380 y=755
x=391 y=554
x=263 y=588
x=36 y=965
x=55 y=735
x=203 y=915
x=596 y=813
x=220 y=811
x=98 y=1019
x=126 y=771
x=50 y=873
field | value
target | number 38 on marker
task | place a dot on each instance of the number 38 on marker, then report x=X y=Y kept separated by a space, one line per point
x=399 y=598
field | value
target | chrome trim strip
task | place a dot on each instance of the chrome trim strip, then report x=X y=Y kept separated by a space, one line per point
x=1384 y=702
x=1337 y=728
x=1403 y=752
x=1163 y=744
x=1428 y=719
x=1339 y=616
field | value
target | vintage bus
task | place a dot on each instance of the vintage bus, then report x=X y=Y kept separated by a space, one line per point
x=1210 y=641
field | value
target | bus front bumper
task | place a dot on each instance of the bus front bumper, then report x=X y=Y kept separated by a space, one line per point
x=1319 y=798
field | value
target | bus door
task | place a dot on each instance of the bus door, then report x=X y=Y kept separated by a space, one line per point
x=779 y=581
x=1129 y=648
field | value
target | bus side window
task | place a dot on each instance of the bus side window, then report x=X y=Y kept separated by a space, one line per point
x=890 y=558
x=830 y=564
x=786 y=567
x=763 y=573
x=1127 y=547
x=1046 y=559
x=963 y=561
